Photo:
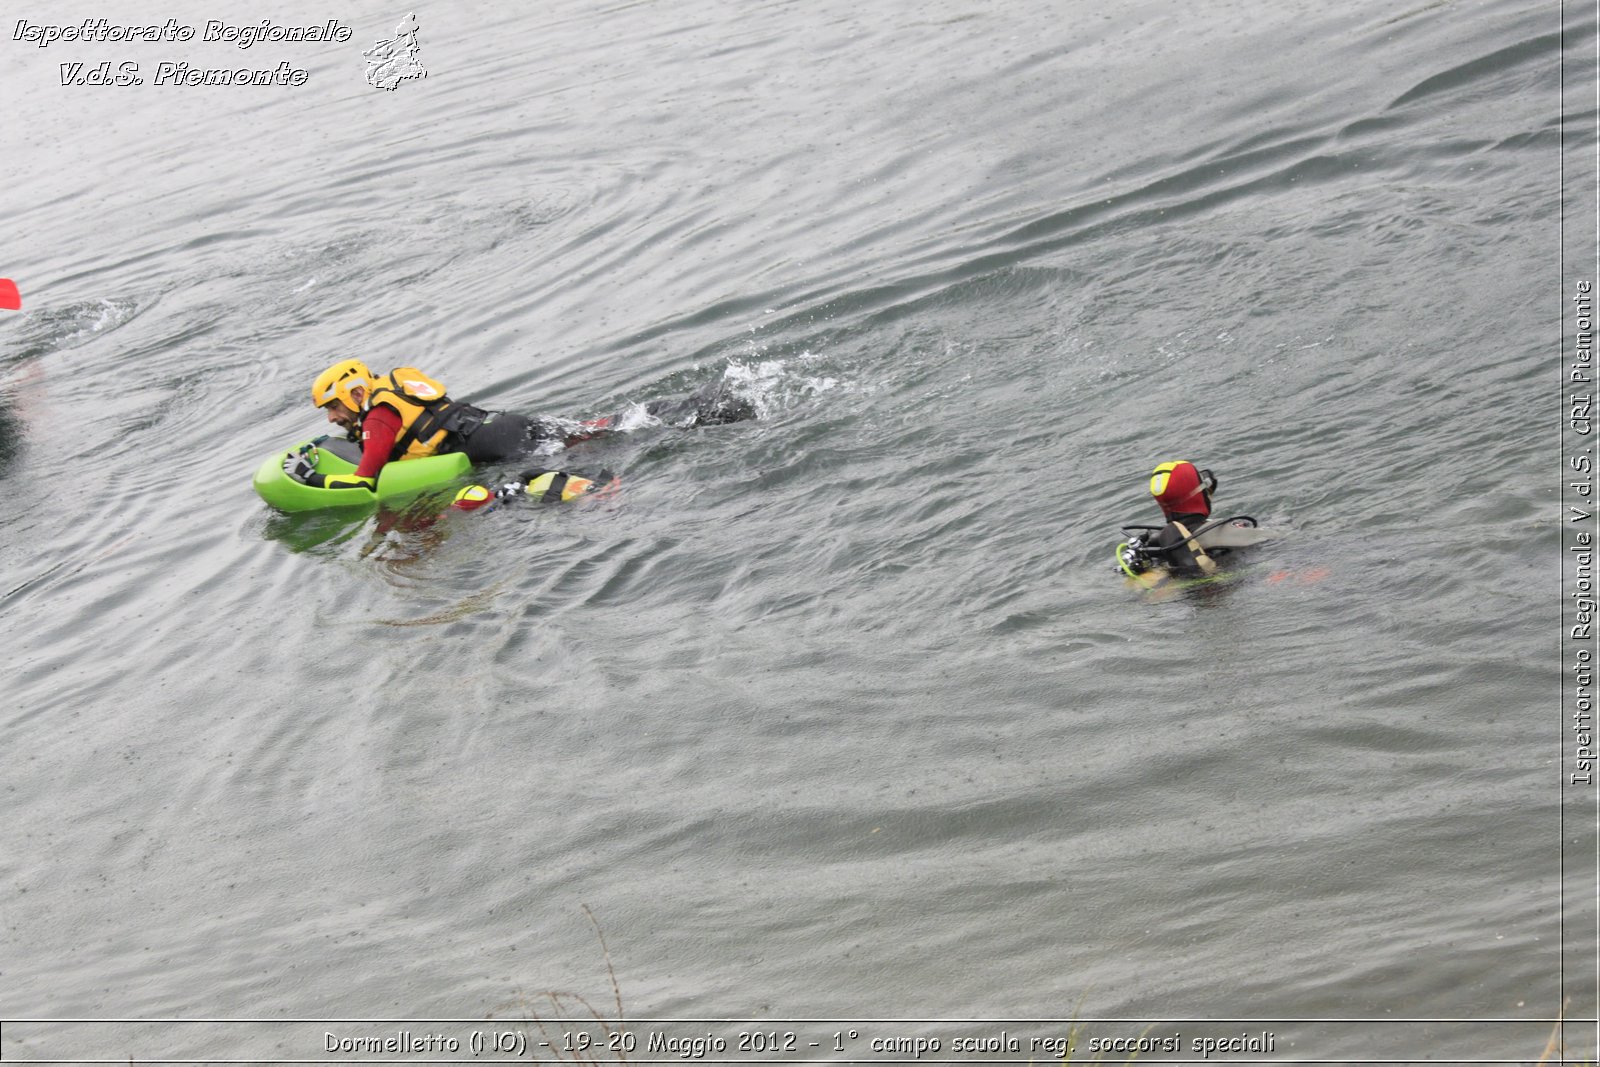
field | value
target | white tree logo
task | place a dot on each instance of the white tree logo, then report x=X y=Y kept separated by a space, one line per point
x=393 y=61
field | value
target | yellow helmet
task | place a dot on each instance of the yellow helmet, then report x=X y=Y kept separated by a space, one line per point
x=335 y=384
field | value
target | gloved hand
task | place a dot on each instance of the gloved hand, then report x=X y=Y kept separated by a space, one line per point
x=300 y=465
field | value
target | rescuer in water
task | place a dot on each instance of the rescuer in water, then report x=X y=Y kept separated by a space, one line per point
x=1184 y=493
x=406 y=414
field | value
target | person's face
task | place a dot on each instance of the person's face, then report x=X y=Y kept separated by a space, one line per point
x=342 y=416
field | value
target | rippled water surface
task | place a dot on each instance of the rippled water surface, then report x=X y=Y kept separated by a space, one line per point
x=842 y=712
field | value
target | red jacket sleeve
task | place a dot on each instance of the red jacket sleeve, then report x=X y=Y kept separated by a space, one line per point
x=379 y=428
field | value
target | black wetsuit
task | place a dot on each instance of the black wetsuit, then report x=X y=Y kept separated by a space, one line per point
x=1178 y=557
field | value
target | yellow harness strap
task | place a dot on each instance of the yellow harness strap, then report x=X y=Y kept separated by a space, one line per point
x=1206 y=564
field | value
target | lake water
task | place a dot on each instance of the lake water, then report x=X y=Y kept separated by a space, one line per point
x=840 y=721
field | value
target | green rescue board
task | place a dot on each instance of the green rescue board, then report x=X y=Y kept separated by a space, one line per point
x=401 y=478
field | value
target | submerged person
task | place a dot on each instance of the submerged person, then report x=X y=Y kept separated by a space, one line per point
x=406 y=414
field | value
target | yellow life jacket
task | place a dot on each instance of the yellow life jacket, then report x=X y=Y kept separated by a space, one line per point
x=428 y=418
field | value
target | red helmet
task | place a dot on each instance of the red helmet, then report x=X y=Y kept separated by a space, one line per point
x=1181 y=489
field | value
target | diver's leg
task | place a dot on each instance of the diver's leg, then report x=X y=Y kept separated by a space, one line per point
x=588 y=430
x=710 y=405
x=713 y=404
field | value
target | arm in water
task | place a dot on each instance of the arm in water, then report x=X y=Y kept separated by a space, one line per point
x=378 y=429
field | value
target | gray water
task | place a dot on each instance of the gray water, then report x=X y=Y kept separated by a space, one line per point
x=844 y=713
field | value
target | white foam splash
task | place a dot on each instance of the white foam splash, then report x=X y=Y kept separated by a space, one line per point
x=770 y=384
x=635 y=417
